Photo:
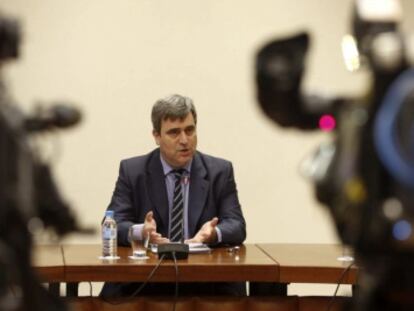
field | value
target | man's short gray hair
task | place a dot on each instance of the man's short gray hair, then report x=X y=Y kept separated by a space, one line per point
x=171 y=107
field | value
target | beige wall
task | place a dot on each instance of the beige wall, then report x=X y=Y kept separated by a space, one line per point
x=116 y=57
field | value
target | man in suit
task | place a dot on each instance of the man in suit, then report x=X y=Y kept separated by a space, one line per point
x=147 y=187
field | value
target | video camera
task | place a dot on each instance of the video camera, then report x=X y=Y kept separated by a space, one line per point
x=28 y=192
x=365 y=176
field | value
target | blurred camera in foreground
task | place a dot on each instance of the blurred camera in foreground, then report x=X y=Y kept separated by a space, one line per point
x=29 y=196
x=365 y=175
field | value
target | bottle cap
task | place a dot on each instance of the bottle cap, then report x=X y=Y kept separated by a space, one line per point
x=109 y=213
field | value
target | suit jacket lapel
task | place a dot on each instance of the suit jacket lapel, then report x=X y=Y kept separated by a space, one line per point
x=198 y=193
x=157 y=190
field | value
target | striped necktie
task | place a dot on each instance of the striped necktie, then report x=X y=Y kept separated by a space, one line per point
x=176 y=233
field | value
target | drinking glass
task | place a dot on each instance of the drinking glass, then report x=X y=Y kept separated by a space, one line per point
x=139 y=244
x=347 y=253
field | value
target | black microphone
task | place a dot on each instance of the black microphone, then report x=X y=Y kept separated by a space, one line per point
x=57 y=116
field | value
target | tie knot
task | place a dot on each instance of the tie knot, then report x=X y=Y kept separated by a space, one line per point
x=178 y=173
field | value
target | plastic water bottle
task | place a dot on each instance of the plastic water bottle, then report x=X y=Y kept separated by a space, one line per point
x=109 y=235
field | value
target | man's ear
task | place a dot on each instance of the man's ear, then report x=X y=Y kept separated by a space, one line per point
x=156 y=137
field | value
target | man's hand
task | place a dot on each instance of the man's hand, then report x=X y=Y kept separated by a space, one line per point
x=207 y=233
x=150 y=229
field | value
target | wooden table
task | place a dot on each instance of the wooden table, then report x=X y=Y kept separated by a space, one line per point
x=249 y=263
x=49 y=263
x=310 y=263
x=268 y=267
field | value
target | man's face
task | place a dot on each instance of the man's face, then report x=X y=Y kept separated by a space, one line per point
x=177 y=140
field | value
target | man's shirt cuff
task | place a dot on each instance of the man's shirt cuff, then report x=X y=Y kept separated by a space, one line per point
x=219 y=236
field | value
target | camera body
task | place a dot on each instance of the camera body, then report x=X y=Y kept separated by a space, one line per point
x=29 y=195
x=365 y=176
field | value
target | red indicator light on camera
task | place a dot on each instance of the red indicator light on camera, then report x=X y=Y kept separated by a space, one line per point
x=327 y=123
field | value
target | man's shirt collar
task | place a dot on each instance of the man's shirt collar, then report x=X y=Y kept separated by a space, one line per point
x=168 y=168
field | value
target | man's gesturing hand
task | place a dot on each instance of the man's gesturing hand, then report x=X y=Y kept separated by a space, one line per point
x=207 y=233
x=150 y=229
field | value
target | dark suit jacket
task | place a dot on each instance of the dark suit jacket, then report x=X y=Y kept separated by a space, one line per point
x=140 y=188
